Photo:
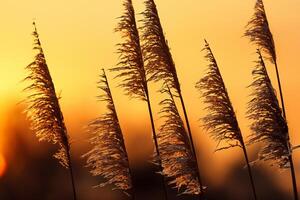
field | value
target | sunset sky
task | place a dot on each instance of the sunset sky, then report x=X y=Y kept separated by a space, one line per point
x=78 y=39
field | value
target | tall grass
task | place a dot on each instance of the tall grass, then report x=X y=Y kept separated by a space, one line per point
x=268 y=124
x=43 y=108
x=159 y=63
x=131 y=69
x=108 y=157
x=147 y=58
x=221 y=121
x=259 y=32
x=178 y=160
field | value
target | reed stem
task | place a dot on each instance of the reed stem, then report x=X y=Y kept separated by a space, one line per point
x=71 y=174
x=156 y=145
x=249 y=170
x=192 y=142
x=280 y=90
x=293 y=175
x=294 y=182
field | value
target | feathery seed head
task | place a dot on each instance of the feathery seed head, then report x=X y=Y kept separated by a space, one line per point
x=177 y=158
x=268 y=124
x=108 y=157
x=43 y=107
x=159 y=63
x=259 y=31
x=221 y=121
x=131 y=66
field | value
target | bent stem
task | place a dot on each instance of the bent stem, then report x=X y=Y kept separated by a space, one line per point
x=280 y=90
x=71 y=174
x=293 y=175
x=131 y=175
x=294 y=182
x=192 y=142
x=156 y=145
x=249 y=170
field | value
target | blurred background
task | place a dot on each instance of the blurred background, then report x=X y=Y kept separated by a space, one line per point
x=78 y=40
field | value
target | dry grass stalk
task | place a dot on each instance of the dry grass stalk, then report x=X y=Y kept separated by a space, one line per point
x=158 y=59
x=221 y=121
x=159 y=63
x=131 y=66
x=43 y=108
x=268 y=125
x=131 y=69
x=179 y=163
x=259 y=32
x=108 y=157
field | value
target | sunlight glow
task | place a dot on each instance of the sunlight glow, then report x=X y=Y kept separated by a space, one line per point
x=2 y=165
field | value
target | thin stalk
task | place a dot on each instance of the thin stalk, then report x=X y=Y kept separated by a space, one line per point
x=123 y=142
x=71 y=174
x=280 y=90
x=293 y=177
x=131 y=175
x=249 y=170
x=294 y=182
x=156 y=144
x=192 y=142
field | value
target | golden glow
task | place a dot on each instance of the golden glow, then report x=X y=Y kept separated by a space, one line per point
x=2 y=165
x=78 y=40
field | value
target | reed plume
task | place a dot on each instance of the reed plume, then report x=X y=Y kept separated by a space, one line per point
x=131 y=69
x=268 y=124
x=159 y=63
x=44 y=110
x=259 y=32
x=131 y=66
x=178 y=160
x=108 y=157
x=221 y=121
x=158 y=59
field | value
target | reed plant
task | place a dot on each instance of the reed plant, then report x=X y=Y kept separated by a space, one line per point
x=108 y=157
x=259 y=33
x=43 y=108
x=221 y=120
x=178 y=161
x=159 y=63
x=269 y=127
x=131 y=70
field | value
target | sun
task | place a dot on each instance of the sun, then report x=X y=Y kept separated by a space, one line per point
x=2 y=165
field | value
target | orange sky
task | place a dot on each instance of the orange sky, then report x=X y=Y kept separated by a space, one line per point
x=78 y=40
